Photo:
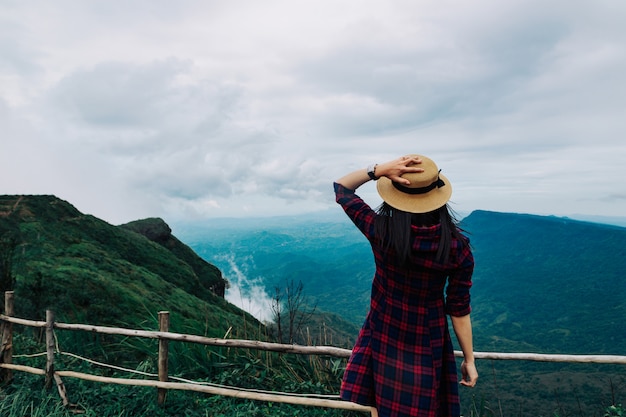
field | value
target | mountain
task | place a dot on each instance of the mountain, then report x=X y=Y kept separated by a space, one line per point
x=542 y=284
x=87 y=270
x=552 y=283
x=327 y=254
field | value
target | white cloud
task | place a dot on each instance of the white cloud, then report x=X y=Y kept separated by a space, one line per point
x=247 y=293
x=243 y=108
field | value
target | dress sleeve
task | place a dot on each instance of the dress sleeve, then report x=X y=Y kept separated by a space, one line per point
x=357 y=210
x=459 y=284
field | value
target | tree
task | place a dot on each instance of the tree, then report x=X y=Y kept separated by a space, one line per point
x=290 y=304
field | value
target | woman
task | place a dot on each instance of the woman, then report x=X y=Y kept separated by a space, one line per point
x=403 y=362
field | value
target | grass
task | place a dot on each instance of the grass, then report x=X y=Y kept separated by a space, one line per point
x=243 y=368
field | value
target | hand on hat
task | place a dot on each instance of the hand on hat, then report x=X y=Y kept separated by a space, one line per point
x=396 y=168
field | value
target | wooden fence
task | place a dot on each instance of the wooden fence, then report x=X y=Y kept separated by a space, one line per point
x=164 y=336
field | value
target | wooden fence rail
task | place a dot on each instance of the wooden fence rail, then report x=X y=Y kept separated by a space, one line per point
x=300 y=349
x=163 y=336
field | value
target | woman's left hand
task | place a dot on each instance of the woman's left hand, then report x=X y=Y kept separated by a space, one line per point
x=469 y=374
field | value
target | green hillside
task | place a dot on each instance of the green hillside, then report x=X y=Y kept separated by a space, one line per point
x=548 y=284
x=87 y=270
x=326 y=253
x=552 y=285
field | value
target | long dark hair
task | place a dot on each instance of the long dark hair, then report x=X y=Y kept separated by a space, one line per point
x=393 y=229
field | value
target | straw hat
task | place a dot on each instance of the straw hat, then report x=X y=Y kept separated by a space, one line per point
x=428 y=190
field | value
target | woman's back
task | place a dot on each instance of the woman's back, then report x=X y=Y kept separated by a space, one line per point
x=403 y=362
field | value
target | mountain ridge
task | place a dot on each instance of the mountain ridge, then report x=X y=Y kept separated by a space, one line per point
x=547 y=271
x=536 y=254
x=85 y=268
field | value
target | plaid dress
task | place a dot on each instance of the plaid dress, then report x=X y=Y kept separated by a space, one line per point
x=403 y=361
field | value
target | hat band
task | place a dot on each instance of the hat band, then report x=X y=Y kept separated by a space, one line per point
x=420 y=190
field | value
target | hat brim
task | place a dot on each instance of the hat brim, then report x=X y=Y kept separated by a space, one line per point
x=414 y=203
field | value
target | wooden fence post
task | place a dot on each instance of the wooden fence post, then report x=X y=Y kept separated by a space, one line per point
x=6 y=350
x=164 y=326
x=49 y=348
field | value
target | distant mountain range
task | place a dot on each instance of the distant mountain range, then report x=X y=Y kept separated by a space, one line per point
x=558 y=282
x=542 y=284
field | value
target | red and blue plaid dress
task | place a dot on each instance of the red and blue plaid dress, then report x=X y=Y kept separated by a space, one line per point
x=403 y=361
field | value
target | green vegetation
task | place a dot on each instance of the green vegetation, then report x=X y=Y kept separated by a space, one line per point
x=548 y=284
x=87 y=270
x=26 y=396
x=330 y=256
x=542 y=284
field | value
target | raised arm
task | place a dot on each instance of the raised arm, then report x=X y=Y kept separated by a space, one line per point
x=392 y=170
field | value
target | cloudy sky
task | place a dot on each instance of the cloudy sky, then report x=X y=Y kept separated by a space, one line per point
x=198 y=108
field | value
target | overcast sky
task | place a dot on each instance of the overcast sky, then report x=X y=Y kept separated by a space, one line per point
x=190 y=109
